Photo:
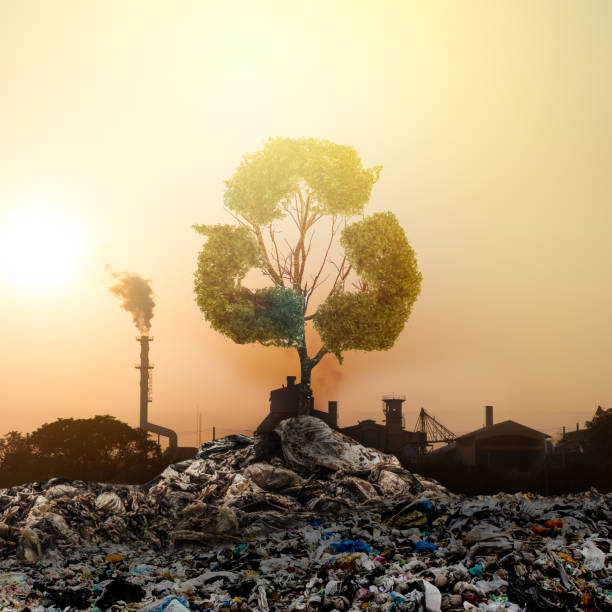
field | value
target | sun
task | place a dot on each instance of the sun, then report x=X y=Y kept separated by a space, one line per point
x=41 y=247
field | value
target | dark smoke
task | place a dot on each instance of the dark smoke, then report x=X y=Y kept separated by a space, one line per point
x=136 y=297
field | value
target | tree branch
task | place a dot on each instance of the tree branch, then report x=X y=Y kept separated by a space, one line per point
x=319 y=284
x=290 y=213
x=256 y=229
x=320 y=354
x=241 y=221
x=331 y=238
x=276 y=255
x=309 y=244
x=313 y=220
x=303 y=207
x=337 y=276
x=347 y=272
x=298 y=250
x=287 y=266
x=278 y=280
x=307 y=222
x=307 y=294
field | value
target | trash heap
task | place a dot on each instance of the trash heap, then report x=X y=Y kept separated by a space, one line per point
x=306 y=519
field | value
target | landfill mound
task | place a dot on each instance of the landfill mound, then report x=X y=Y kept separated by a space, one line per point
x=306 y=519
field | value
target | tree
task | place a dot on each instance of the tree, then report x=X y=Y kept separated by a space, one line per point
x=97 y=449
x=17 y=463
x=304 y=181
x=599 y=434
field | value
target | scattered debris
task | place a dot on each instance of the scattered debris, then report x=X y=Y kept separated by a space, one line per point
x=324 y=525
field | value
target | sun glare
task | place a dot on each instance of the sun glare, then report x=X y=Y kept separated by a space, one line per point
x=40 y=247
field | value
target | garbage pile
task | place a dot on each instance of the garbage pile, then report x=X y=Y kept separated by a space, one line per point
x=310 y=520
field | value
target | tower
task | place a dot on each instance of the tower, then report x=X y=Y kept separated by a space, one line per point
x=145 y=380
x=145 y=395
x=394 y=421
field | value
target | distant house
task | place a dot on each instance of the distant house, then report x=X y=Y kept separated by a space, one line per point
x=391 y=437
x=572 y=443
x=507 y=445
x=284 y=403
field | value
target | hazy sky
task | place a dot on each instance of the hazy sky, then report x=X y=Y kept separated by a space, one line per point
x=120 y=122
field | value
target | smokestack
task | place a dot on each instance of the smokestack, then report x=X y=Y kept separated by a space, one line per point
x=290 y=381
x=137 y=298
x=488 y=416
x=145 y=381
x=332 y=410
x=145 y=395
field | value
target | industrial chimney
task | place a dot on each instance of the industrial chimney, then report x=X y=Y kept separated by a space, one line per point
x=145 y=379
x=488 y=416
x=145 y=394
x=332 y=411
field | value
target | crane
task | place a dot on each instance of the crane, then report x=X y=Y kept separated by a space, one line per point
x=433 y=430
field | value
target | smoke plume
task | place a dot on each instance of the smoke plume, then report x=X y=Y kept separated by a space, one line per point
x=136 y=297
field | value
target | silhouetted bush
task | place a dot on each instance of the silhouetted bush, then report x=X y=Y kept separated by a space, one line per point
x=100 y=449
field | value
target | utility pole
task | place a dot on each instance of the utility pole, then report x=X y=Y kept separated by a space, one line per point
x=199 y=425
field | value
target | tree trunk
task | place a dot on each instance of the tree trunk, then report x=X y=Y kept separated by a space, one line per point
x=306 y=365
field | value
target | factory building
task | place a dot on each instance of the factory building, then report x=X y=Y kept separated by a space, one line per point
x=284 y=403
x=507 y=445
x=175 y=452
x=391 y=437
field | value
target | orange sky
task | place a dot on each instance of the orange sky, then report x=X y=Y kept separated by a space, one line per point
x=492 y=120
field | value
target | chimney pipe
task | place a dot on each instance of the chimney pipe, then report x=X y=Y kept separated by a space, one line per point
x=488 y=416
x=144 y=380
x=332 y=411
x=290 y=381
x=144 y=368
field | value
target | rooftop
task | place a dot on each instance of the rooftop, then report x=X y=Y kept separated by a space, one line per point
x=505 y=428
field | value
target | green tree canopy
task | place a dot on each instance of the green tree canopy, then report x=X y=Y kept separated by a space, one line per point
x=372 y=317
x=272 y=315
x=265 y=183
x=305 y=180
